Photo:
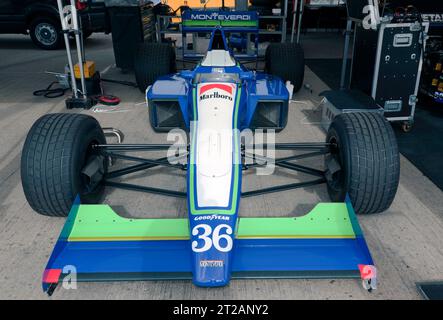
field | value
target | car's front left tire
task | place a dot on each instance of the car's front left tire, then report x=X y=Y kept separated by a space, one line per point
x=364 y=162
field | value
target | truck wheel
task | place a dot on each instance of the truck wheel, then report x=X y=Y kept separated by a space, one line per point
x=286 y=61
x=364 y=161
x=153 y=60
x=56 y=154
x=45 y=33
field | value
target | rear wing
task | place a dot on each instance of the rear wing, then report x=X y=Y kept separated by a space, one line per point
x=237 y=22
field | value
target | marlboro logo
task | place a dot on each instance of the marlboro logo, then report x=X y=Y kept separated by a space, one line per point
x=215 y=95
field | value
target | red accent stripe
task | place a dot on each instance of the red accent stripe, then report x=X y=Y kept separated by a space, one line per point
x=51 y=275
x=220 y=86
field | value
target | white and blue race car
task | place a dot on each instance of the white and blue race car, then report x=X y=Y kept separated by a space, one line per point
x=65 y=167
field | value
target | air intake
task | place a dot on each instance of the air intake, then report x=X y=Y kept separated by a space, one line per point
x=165 y=115
x=270 y=115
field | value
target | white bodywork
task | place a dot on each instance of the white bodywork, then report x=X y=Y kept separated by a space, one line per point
x=218 y=58
x=214 y=147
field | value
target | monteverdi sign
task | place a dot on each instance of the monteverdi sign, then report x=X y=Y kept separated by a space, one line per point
x=220 y=16
x=193 y=18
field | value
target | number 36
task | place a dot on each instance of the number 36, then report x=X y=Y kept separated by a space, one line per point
x=209 y=241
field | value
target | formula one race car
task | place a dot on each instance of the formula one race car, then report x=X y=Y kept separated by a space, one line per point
x=65 y=167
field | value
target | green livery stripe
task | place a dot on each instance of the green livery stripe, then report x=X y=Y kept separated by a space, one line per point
x=224 y=23
x=232 y=209
x=192 y=148
x=326 y=220
x=101 y=223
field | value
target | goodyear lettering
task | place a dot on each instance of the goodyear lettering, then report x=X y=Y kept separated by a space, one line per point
x=211 y=217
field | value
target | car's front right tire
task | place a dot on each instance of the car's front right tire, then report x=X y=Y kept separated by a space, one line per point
x=56 y=151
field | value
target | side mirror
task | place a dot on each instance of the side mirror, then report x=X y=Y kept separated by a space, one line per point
x=186 y=74
x=247 y=76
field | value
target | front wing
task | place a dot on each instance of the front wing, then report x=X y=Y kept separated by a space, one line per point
x=98 y=245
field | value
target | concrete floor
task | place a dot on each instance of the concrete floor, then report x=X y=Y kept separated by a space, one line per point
x=406 y=241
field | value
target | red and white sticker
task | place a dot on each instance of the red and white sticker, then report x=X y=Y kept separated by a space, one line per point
x=221 y=86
